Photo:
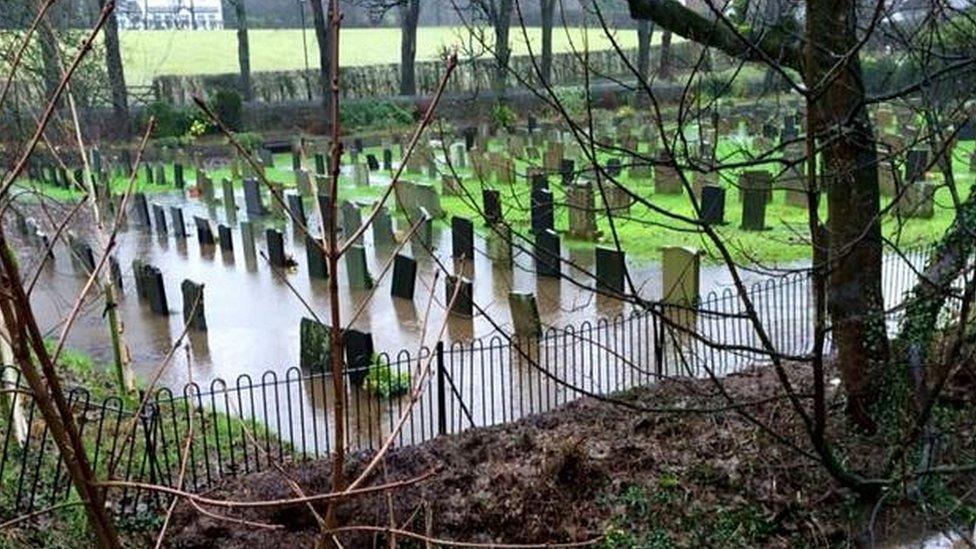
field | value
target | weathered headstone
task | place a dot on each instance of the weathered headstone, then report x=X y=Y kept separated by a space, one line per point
x=500 y=245
x=155 y=290
x=356 y=268
x=492 y=206
x=757 y=180
x=610 y=269
x=547 y=258
x=917 y=199
x=916 y=162
x=179 y=225
x=359 y=354
x=141 y=208
x=404 y=277
x=462 y=238
x=193 y=309
x=296 y=210
x=159 y=215
x=582 y=212
x=252 y=198
x=315 y=256
x=753 y=209
x=276 y=248
x=542 y=211
x=525 y=315
x=179 y=178
x=458 y=293
x=387 y=159
x=247 y=243
x=666 y=177
x=712 y=205
x=680 y=272
x=382 y=229
x=226 y=238
x=319 y=164
x=352 y=220
x=204 y=233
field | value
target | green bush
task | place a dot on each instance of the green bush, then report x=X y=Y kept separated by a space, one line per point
x=502 y=116
x=228 y=106
x=382 y=382
x=373 y=114
x=170 y=121
x=249 y=140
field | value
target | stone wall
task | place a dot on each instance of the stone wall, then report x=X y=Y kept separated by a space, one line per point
x=384 y=80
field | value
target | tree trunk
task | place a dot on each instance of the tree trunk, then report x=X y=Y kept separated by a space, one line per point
x=116 y=75
x=322 y=38
x=854 y=297
x=547 y=16
x=409 y=14
x=243 y=50
x=502 y=19
x=645 y=29
x=664 y=70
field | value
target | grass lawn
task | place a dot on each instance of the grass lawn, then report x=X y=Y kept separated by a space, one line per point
x=147 y=54
x=643 y=232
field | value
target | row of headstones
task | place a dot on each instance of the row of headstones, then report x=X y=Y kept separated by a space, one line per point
x=150 y=288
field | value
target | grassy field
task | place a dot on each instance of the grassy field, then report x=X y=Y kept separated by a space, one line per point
x=643 y=232
x=147 y=54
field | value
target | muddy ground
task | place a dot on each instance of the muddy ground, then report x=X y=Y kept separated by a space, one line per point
x=599 y=471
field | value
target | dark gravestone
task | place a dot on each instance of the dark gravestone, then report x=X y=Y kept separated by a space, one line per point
x=155 y=290
x=247 y=244
x=314 y=346
x=404 y=277
x=462 y=238
x=712 y=205
x=296 y=159
x=469 y=137
x=139 y=275
x=542 y=211
x=193 y=315
x=614 y=167
x=359 y=354
x=492 y=206
x=226 y=239
x=372 y=163
x=325 y=206
x=610 y=270
x=967 y=132
x=252 y=198
x=276 y=248
x=387 y=159
x=82 y=254
x=141 y=208
x=567 y=169
x=317 y=266
x=357 y=145
x=178 y=176
x=356 y=269
x=116 y=271
x=204 y=233
x=148 y=170
x=753 y=209
x=533 y=124
x=297 y=210
x=538 y=182
x=462 y=302
x=179 y=225
x=159 y=215
x=547 y=261
x=915 y=164
x=319 y=164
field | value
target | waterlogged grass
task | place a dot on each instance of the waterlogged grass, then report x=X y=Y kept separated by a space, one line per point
x=646 y=229
x=147 y=54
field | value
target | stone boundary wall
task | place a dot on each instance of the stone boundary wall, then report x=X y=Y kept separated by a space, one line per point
x=384 y=80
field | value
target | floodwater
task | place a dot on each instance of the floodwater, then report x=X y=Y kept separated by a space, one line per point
x=253 y=315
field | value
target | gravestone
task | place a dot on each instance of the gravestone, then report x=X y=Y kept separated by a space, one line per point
x=666 y=177
x=252 y=198
x=193 y=310
x=582 y=212
x=526 y=323
x=356 y=268
x=542 y=211
x=450 y=185
x=423 y=237
x=757 y=180
x=359 y=354
x=247 y=242
x=712 y=205
x=179 y=225
x=296 y=158
x=753 y=209
x=462 y=238
x=458 y=289
x=276 y=199
x=319 y=164
x=325 y=207
x=228 y=193
x=296 y=210
x=610 y=269
x=204 y=233
x=427 y=198
x=226 y=239
x=372 y=163
x=387 y=160
x=383 y=229
x=276 y=248
x=160 y=174
x=547 y=258
x=314 y=346
x=916 y=162
x=303 y=182
x=616 y=198
x=141 y=208
x=360 y=174
x=179 y=178
x=115 y=270
x=155 y=290
x=917 y=200
x=458 y=156
x=500 y=245
x=315 y=256
x=404 y=277
x=681 y=282
x=139 y=276
x=266 y=158
x=205 y=186
x=159 y=215
x=613 y=167
x=491 y=206
x=567 y=170
x=352 y=220
x=148 y=171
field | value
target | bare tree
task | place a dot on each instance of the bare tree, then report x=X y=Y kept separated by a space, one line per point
x=243 y=50
x=547 y=17
x=116 y=75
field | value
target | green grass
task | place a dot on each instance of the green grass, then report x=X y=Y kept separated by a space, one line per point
x=147 y=54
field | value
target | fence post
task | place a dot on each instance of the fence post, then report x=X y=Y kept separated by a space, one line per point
x=441 y=399
x=658 y=341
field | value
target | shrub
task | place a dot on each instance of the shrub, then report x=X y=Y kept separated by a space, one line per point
x=373 y=114
x=251 y=141
x=382 y=382
x=228 y=106
x=502 y=116
x=170 y=121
